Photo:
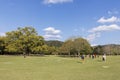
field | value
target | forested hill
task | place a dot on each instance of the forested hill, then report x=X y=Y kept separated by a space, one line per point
x=112 y=45
x=54 y=43
x=112 y=49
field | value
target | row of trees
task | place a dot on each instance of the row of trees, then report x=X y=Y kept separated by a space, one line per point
x=23 y=41
x=27 y=41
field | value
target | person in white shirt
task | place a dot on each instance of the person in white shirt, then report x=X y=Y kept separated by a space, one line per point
x=104 y=57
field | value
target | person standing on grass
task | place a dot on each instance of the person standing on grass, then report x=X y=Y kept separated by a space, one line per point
x=104 y=57
x=93 y=56
x=82 y=57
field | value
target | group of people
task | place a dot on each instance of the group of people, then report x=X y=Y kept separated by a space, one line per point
x=94 y=56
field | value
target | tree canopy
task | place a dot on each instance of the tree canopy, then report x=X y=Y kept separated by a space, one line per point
x=23 y=40
x=79 y=45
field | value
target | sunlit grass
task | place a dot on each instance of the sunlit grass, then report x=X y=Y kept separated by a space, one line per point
x=58 y=68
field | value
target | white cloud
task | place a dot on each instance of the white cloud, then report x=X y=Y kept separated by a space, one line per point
x=49 y=36
x=56 y=1
x=97 y=31
x=93 y=36
x=51 y=30
x=109 y=20
x=94 y=44
x=2 y=34
x=52 y=33
x=105 y=28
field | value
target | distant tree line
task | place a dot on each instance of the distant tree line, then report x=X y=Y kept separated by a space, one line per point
x=26 y=41
x=110 y=49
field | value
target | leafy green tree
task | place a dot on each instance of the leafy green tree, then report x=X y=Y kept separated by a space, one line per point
x=2 y=45
x=53 y=46
x=36 y=44
x=23 y=40
x=79 y=45
x=13 y=42
x=82 y=46
x=54 y=43
x=67 y=47
x=98 y=50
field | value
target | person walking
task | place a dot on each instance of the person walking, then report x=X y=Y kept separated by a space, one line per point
x=82 y=57
x=104 y=57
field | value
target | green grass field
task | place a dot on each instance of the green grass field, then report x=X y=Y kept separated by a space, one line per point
x=58 y=68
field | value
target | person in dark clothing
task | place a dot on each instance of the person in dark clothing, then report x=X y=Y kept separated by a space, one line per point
x=93 y=56
x=82 y=57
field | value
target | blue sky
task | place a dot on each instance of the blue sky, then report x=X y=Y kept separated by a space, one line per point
x=96 y=20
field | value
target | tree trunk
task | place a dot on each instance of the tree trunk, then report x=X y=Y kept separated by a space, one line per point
x=69 y=53
x=78 y=53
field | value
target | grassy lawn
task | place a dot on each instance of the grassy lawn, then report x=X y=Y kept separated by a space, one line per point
x=58 y=68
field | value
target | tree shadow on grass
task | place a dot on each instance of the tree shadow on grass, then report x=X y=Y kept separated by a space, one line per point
x=79 y=62
x=99 y=61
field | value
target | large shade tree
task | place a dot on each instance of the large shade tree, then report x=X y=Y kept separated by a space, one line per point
x=23 y=40
x=79 y=45
x=82 y=46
